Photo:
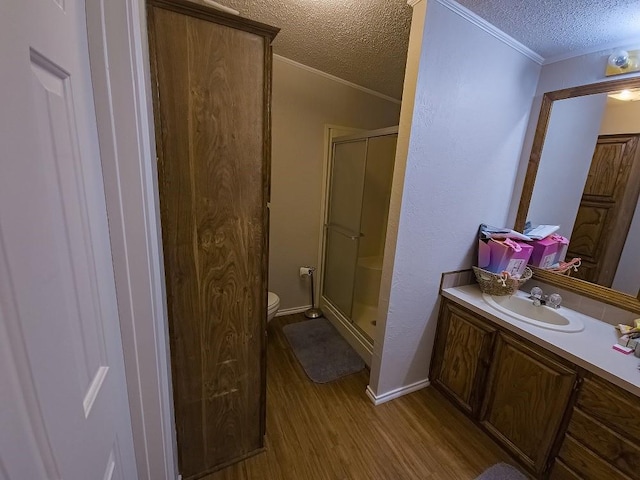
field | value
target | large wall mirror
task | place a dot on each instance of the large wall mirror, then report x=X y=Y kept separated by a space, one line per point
x=584 y=175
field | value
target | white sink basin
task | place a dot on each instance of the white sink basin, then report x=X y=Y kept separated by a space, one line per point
x=520 y=307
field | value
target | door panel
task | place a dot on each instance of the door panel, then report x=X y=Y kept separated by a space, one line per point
x=62 y=352
x=516 y=408
x=347 y=184
x=342 y=232
x=57 y=137
x=461 y=356
x=606 y=209
x=340 y=269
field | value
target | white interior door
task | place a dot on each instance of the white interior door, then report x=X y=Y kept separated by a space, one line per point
x=63 y=403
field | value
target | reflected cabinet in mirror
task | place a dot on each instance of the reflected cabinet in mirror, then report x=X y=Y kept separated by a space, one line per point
x=584 y=175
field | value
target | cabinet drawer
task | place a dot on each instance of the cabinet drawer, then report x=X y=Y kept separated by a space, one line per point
x=613 y=407
x=587 y=464
x=562 y=472
x=608 y=444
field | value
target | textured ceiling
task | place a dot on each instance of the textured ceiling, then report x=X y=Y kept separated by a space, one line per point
x=554 y=28
x=361 y=41
x=365 y=41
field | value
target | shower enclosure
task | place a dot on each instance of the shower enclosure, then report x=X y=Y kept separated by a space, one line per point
x=360 y=177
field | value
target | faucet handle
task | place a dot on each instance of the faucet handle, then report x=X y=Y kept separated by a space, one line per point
x=536 y=292
x=554 y=300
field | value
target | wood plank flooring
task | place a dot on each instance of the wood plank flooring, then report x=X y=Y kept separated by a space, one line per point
x=334 y=432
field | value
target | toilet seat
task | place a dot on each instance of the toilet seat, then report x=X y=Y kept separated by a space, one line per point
x=273 y=303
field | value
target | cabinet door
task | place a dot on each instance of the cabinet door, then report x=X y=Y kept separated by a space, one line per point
x=461 y=356
x=527 y=395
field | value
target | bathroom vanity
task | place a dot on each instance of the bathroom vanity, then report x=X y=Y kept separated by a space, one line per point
x=564 y=404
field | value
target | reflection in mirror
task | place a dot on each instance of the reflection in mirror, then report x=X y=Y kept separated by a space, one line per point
x=588 y=182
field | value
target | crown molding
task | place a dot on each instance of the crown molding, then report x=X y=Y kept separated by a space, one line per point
x=337 y=79
x=491 y=29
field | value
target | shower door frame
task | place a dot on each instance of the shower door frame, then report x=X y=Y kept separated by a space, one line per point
x=356 y=338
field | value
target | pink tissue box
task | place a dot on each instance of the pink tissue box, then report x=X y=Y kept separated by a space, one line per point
x=549 y=251
x=504 y=255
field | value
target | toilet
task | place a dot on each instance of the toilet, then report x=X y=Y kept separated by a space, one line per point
x=273 y=304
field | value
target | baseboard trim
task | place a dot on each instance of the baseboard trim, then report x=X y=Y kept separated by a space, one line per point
x=398 y=392
x=291 y=311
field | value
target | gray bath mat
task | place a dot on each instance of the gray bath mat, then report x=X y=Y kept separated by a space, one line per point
x=324 y=355
x=501 y=471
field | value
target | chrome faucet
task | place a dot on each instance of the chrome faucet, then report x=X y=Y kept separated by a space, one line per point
x=539 y=298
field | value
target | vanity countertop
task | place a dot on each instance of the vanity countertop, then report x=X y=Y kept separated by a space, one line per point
x=590 y=348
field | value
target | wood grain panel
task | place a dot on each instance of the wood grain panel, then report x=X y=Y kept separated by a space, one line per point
x=611 y=446
x=463 y=356
x=561 y=472
x=178 y=225
x=604 y=175
x=586 y=463
x=617 y=409
x=587 y=232
x=211 y=107
x=225 y=71
x=526 y=399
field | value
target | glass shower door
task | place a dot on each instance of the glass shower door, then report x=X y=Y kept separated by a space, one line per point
x=342 y=230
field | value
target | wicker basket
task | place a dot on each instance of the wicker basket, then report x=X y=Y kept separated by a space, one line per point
x=500 y=284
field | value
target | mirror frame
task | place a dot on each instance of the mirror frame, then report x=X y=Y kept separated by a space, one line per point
x=592 y=290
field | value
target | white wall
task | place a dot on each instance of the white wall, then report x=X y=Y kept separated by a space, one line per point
x=473 y=99
x=625 y=118
x=305 y=101
x=402 y=151
x=566 y=158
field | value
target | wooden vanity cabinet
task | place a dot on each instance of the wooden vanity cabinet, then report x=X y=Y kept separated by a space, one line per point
x=461 y=356
x=602 y=438
x=525 y=401
x=517 y=392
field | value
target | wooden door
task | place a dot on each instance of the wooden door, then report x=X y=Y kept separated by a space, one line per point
x=63 y=398
x=526 y=398
x=461 y=356
x=211 y=79
x=608 y=203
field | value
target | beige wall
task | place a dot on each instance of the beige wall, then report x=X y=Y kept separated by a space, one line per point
x=304 y=102
x=621 y=118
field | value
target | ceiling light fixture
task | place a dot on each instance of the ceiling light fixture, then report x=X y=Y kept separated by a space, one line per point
x=623 y=61
x=627 y=95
